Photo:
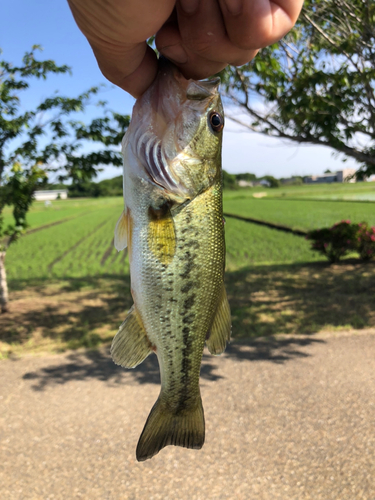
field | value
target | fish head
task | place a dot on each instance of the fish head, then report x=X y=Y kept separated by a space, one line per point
x=175 y=133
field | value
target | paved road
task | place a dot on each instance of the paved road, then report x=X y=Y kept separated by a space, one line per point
x=286 y=419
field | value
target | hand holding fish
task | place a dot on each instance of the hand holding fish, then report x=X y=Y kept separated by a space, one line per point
x=200 y=36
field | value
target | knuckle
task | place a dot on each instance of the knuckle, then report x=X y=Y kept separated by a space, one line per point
x=199 y=45
x=244 y=42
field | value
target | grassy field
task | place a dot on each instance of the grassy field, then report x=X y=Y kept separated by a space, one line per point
x=70 y=288
x=250 y=244
x=81 y=244
x=301 y=214
x=77 y=247
x=60 y=210
x=335 y=191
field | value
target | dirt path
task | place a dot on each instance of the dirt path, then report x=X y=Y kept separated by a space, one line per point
x=286 y=419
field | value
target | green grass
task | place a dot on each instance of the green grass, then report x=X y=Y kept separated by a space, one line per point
x=335 y=191
x=82 y=244
x=40 y=215
x=70 y=288
x=250 y=244
x=83 y=247
x=301 y=214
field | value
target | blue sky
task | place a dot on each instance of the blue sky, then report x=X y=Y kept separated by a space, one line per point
x=50 y=24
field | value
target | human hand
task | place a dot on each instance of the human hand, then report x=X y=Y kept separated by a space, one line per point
x=200 y=36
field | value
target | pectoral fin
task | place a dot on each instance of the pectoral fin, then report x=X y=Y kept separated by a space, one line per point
x=121 y=232
x=131 y=345
x=161 y=236
x=221 y=326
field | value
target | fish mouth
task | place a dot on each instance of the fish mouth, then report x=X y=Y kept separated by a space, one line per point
x=194 y=89
x=165 y=119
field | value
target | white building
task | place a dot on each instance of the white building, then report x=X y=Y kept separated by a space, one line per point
x=53 y=194
x=245 y=184
x=344 y=175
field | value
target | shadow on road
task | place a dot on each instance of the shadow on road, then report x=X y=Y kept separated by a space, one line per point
x=271 y=349
x=99 y=365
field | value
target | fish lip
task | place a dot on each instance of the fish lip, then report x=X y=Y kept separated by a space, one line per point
x=208 y=86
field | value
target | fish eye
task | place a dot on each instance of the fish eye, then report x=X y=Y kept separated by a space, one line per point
x=216 y=121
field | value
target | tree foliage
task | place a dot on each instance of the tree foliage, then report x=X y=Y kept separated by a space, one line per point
x=106 y=187
x=47 y=143
x=317 y=85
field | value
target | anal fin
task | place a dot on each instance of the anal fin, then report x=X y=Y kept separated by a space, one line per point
x=131 y=345
x=221 y=326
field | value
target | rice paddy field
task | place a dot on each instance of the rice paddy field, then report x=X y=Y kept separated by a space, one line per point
x=69 y=287
x=301 y=214
x=361 y=191
x=76 y=240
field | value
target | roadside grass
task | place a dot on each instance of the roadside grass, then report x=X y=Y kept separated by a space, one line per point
x=302 y=298
x=56 y=315
x=266 y=300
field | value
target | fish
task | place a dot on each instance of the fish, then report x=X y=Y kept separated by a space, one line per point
x=172 y=225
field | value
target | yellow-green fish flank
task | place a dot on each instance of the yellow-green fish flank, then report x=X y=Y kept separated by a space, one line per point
x=173 y=226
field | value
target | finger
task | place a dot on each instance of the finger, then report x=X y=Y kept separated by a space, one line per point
x=169 y=43
x=252 y=24
x=132 y=69
x=198 y=44
x=116 y=31
x=204 y=34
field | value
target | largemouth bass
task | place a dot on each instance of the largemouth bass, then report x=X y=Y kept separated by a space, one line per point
x=173 y=227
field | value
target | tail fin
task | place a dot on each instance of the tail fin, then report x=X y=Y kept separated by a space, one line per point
x=164 y=428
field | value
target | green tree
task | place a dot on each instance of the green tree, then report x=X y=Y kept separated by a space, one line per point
x=246 y=177
x=317 y=85
x=229 y=180
x=273 y=182
x=45 y=142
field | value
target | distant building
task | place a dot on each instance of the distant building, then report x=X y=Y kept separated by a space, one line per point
x=339 y=176
x=345 y=175
x=53 y=194
x=243 y=183
x=291 y=181
x=265 y=183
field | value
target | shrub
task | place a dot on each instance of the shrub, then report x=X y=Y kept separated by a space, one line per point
x=366 y=241
x=335 y=242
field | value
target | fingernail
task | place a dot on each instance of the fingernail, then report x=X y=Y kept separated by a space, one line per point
x=189 y=6
x=234 y=6
x=175 y=53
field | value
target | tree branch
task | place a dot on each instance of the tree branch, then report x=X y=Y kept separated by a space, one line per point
x=342 y=148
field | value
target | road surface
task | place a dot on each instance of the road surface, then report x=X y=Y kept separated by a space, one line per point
x=285 y=419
